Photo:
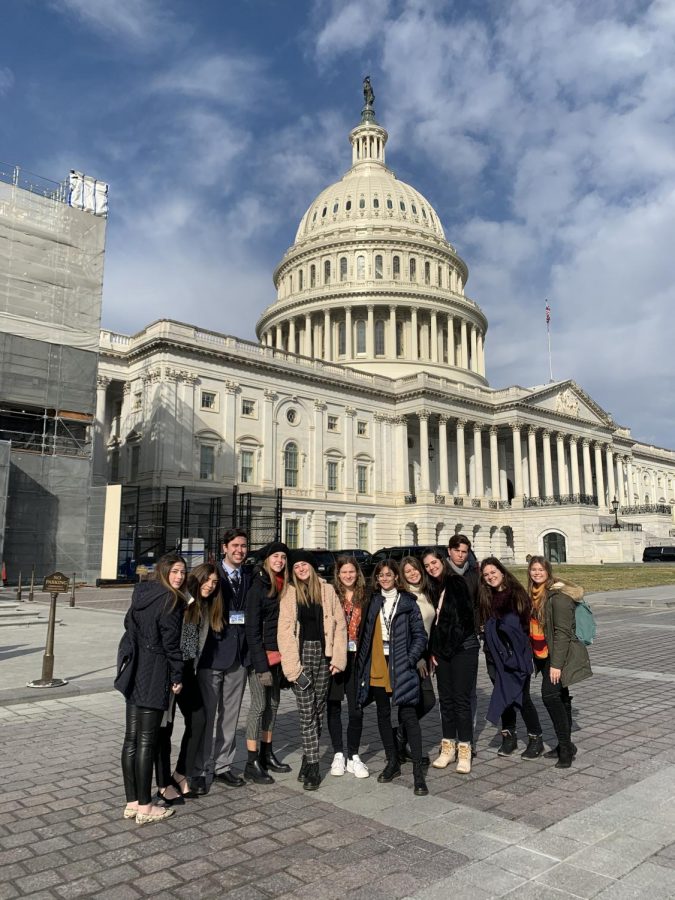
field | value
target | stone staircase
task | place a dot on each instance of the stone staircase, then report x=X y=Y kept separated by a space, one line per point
x=13 y=613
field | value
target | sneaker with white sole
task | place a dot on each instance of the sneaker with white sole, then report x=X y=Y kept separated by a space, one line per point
x=357 y=768
x=338 y=765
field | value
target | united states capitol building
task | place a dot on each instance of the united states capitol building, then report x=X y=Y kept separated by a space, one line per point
x=366 y=401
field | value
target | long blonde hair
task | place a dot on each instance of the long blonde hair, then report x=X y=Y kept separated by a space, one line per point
x=273 y=576
x=307 y=592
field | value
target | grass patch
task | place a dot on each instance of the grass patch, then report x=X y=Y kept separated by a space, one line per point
x=610 y=577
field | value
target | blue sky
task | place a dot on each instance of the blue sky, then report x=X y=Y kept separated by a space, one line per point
x=544 y=135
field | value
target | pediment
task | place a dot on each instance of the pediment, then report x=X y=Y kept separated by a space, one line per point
x=567 y=399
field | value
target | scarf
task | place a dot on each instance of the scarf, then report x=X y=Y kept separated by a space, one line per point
x=537 y=636
x=460 y=570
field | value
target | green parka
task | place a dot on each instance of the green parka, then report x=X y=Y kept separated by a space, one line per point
x=565 y=650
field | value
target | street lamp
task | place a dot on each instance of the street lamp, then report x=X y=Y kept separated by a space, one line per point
x=615 y=510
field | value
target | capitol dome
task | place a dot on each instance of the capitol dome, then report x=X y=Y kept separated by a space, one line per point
x=371 y=281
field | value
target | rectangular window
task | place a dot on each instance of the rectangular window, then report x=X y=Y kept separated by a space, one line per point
x=333 y=537
x=332 y=479
x=378 y=266
x=135 y=461
x=138 y=400
x=246 y=467
x=209 y=400
x=333 y=423
x=291 y=533
x=362 y=479
x=362 y=428
x=115 y=466
x=207 y=462
x=363 y=535
x=247 y=407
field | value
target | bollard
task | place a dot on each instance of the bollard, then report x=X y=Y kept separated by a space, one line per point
x=54 y=584
x=72 y=592
x=18 y=591
x=31 y=597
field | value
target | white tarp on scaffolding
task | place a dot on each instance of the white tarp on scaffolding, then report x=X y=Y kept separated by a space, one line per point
x=88 y=194
x=51 y=269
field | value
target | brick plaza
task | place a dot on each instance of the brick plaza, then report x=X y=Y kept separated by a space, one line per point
x=604 y=828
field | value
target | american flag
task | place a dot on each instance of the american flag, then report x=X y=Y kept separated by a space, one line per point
x=548 y=314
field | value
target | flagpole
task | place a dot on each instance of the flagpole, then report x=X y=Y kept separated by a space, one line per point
x=548 y=334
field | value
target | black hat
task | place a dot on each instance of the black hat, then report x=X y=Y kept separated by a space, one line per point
x=274 y=547
x=302 y=556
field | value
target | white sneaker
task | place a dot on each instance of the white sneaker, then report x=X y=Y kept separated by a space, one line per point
x=357 y=768
x=338 y=765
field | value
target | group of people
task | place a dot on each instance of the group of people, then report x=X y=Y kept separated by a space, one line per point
x=201 y=637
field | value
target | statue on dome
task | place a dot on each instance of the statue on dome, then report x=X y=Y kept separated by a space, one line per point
x=368 y=94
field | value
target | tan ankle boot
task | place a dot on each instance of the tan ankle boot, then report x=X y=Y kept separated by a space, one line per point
x=463 y=759
x=448 y=754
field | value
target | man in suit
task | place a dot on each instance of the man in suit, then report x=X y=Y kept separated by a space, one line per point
x=223 y=668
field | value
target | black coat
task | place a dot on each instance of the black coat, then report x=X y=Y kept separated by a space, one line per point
x=158 y=631
x=510 y=653
x=456 y=623
x=232 y=639
x=407 y=643
x=262 y=619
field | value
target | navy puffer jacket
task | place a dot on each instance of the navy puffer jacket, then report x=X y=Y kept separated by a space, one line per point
x=407 y=644
x=158 y=633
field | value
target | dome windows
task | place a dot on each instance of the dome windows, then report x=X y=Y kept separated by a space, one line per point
x=360 y=267
x=390 y=204
x=401 y=205
x=378 y=266
x=342 y=339
x=360 y=336
x=343 y=268
x=379 y=338
x=314 y=216
x=414 y=209
x=336 y=206
x=348 y=205
x=323 y=212
x=301 y=279
x=326 y=272
x=362 y=203
x=312 y=276
x=396 y=267
x=424 y=213
x=412 y=266
x=427 y=273
x=376 y=203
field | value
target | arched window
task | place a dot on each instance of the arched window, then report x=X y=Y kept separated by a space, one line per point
x=427 y=273
x=336 y=206
x=376 y=203
x=312 y=276
x=360 y=336
x=390 y=204
x=362 y=203
x=379 y=338
x=326 y=271
x=301 y=279
x=378 y=266
x=348 y=205
x=323 y=212
x=291 y=465
x=343 y=268
x=396 y=267
x=402 y=205
x=555 y=549
x=414 y=209
x=342 y=342
x=360 y=267
x=413 y=269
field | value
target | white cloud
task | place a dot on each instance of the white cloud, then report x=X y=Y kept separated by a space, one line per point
x=148 y=22
x=6 y=80
x=227 y=79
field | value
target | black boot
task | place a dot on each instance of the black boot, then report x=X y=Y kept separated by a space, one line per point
x=303 y=768
x=268 y=759
x=402 y=745
x=509 y=743
x=555 y=753
x=420 y=788
x=535 y=747
x=254 y=772
x=391 y=770
x=312 y=777
x=565 y=756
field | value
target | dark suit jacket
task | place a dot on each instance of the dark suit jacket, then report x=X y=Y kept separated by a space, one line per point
x=233 y=646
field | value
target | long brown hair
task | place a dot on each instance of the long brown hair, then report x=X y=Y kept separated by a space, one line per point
x=273 y=576
x=307 y=592
x=164 y=565
x=386 y=564
x=521 y=603
x=213 y=603
x=423 y=587
x=359 y=589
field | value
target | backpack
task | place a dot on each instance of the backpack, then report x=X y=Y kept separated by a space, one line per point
x=585 y=626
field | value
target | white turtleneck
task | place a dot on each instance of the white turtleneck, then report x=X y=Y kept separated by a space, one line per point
x=387 y=611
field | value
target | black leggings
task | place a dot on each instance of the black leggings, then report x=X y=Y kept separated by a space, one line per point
x=407 y=718
x=138 y=752
x=557 y=701
x=355 y=720
x=455 y=680
x=189 y=702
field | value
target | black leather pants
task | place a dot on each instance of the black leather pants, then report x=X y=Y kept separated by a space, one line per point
x=138 y=752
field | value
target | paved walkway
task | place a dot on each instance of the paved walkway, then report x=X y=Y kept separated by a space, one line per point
x=604 y=828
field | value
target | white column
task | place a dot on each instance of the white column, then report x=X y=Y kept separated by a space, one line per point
x=370 y=333
x=599 y=480
x=532 y=459
x=434 y=337
x=401 y=469
x=478 y=458
x=269 y=443
x=451 y=341
x=350 y=412
x=588 y=473
x=327 y=336
x=423 y=416
x=319 y=409
x=611 y=486
x=461 y=459
x=443 y=453
x=100 y=468
x=308 y=335
x=548 y=467
x=415 y=352
x=563 y=488
x=278 y=340
x=517 y=461
x=574 y=457
x=481 y=354
x=464 y=346
x=392 y=332
x=494 y=464
x=230 y=430
x=631 y=485
x=291 y=335
x=621 y=492
x=474 y=350
x=348 y=333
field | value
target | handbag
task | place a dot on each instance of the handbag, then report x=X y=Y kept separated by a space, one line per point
x=127 y=661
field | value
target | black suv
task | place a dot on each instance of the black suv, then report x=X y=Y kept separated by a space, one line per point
x=658 y=554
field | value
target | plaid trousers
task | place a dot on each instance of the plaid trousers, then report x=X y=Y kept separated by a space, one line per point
x=312 y=701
